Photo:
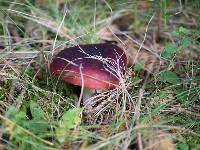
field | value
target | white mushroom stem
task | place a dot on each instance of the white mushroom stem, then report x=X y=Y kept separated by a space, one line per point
x=87 y=94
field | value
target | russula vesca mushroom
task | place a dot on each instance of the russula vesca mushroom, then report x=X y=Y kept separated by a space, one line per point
x=93 y=66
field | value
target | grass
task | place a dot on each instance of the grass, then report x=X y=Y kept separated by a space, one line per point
x=156 y=106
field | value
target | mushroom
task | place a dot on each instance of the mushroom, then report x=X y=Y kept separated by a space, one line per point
x=92 y=66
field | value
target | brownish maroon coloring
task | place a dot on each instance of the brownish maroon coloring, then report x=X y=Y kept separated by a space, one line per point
x=96 y=66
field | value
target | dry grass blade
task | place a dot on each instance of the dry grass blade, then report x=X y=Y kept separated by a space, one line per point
x=180 y=110
x=26 y=131
x=52 y=25
x=136 y=117
x=146 y=111
x=22 y=54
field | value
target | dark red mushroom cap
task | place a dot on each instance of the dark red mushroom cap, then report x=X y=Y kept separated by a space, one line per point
x=97 y=66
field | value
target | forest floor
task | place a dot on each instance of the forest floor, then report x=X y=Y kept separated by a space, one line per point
x=156 y=106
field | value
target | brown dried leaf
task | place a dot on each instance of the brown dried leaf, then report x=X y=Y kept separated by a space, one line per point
x=149 y=58
x=107 y=33
x=159 y=140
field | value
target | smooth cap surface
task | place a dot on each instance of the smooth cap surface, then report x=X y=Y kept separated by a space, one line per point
x=96 y=66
